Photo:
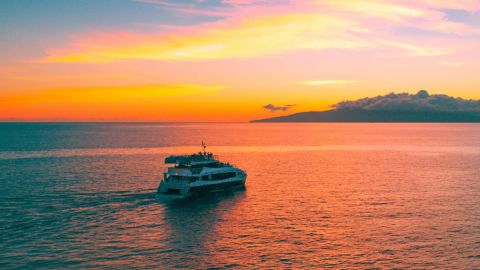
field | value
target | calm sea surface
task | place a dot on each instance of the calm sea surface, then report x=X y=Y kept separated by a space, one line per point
x=348 y=196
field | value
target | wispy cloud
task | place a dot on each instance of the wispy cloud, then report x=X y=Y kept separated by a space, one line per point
x=452 y=63
x=244 y=38
x=193 y=8
x=414 y=50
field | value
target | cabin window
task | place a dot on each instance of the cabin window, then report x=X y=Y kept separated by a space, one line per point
x=205 y=177
x=222 y=176
x=183 y=178
x=213 y=165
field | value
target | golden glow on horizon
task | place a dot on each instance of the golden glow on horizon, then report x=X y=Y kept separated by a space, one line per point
x=100 y=102
x=114 y=94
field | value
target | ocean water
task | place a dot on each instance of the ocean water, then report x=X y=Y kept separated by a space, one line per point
x=318 y=196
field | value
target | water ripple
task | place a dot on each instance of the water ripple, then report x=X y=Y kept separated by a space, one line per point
x=61 y=153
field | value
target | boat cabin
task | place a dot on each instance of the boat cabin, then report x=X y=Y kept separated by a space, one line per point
x=190 y=167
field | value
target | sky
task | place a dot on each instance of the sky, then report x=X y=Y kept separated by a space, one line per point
x=227 y=60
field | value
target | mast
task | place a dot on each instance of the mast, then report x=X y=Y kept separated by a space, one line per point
x=204 y=147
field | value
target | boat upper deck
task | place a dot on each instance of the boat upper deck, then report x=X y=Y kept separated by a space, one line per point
x=195 y=159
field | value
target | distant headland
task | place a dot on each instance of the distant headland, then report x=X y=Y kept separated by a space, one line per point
x=421 y=107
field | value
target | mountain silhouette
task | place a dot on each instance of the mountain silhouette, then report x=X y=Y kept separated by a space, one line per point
x=420 y=107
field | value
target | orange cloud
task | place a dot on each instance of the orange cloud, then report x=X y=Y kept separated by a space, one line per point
x=252 y=37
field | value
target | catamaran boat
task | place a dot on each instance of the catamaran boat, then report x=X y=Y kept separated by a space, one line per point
x=199 y=173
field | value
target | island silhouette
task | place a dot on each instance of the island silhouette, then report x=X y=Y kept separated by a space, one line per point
x=403 y=107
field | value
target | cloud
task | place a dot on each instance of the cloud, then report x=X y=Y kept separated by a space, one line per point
x=274 y=108
x=452 y=63
x=241 y=38
x=253 y=2
x=248 y=28
x=422 y=101
x=428 y=15
x=193 y=8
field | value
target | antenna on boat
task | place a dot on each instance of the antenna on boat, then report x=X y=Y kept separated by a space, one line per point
x=204 y=146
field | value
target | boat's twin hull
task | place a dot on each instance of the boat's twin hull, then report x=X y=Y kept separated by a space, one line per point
x=217 y=187
x=201 y=188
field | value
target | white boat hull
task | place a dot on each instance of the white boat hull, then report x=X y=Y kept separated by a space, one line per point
x=185 y=189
